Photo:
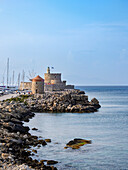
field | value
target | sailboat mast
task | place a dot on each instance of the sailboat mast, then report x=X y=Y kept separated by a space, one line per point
x=7 y=72
x=13 y=78
x=23 y=76
x=3 y=80
x=18 y=80
x=10 y=81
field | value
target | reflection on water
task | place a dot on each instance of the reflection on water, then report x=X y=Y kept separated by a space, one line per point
x=107 y=129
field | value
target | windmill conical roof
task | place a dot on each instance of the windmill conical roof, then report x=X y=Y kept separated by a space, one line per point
x=38 y=78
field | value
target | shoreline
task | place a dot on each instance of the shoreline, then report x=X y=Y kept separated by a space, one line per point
x=15 y=139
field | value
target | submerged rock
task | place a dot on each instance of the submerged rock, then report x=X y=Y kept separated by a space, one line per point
x=51 y=162
x=77 y=143
x=34 y=128
x=48 y=140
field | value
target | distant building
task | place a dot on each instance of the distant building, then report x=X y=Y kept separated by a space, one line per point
x=37 y=85
x=25 y=85
x=52 y=82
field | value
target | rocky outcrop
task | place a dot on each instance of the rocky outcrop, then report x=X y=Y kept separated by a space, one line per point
x=77 y=143
x=66 y=101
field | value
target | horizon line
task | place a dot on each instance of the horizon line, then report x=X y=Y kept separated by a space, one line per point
x=103 y=85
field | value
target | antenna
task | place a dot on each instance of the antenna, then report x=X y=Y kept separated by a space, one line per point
x=7 y=71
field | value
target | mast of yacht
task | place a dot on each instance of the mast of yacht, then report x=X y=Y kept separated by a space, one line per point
x=7 y=72
x=23 y=76
x=3 y=81
x=18 y=80
x=10 y=82
x=13 y=78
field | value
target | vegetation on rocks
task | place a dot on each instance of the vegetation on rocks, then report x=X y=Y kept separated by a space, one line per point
x=20 y=99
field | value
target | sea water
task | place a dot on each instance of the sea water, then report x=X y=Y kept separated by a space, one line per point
x=107 y=128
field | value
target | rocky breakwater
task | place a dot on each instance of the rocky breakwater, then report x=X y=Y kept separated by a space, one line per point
x=16 y=143
x=65 y=101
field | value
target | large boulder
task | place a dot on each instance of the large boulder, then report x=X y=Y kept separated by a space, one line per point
x=94 y=102
x=77 y=143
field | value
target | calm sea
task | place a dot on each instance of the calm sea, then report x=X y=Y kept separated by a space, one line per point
x=107 y=128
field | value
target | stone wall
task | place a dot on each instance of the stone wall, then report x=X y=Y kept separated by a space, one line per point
x=69 y=87
x=48 y=87
x=38 y=87
x=54 y=87
x=25 y=85
x=51 y=76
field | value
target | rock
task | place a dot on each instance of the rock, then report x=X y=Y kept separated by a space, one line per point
x=39 y=146
x=5 y=155
x=34 y=128
x=65 y=147
x=19 y=128
x=42 y=142
x=56 y=143
x=48 y=140
x=75 y=147
x=33 y=150
x=51 y=162
x=41 y=163
x=81 y=92
x=77 y=142
x=94 y=101
x=16 y=141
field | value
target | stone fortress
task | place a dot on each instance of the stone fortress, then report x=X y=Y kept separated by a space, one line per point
x=51 y=82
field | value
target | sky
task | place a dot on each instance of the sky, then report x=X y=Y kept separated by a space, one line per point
x=85 y=40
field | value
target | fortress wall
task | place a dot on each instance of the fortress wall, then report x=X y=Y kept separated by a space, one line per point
x=27 y=85
x=69 y=87
x=49 y=77
x=54 y=87
x=48 y=87
x=55 y=81
x=58 y=87
x=64 y=82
